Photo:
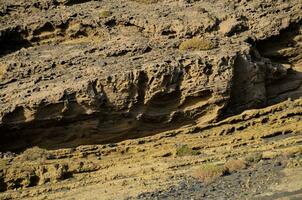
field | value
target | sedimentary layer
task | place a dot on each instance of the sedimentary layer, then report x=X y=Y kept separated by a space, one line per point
x=100 y=71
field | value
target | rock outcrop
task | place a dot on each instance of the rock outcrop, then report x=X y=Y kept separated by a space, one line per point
x=83 y=72
x=125 y=99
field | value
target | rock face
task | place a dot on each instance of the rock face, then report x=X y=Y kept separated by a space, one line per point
x=84 y=72
x=102 y=98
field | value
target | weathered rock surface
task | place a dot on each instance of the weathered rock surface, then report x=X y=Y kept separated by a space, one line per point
x=133 y=169
x=83 y=72
x=86 y=80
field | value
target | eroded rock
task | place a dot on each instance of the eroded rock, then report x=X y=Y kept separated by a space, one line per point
x=82 y=78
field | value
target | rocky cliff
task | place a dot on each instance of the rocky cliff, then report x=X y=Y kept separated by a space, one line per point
x=85 y=72
x=82 y=72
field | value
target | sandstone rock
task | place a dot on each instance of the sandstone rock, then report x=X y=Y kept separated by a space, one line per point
x=231 y=26
x=81 y=80
x=69 y=76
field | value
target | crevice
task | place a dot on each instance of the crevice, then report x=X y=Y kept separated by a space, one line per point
x=13 y=39
x=284 y=48
x=74 y=2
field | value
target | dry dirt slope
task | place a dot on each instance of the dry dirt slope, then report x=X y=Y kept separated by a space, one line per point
x=130 y=99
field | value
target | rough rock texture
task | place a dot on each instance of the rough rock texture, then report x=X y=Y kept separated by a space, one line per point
x=129 y=169
x=81 y=72
x=98 y=73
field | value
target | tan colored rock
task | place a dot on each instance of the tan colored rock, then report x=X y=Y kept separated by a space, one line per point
x=230 y=26
x=78 y=78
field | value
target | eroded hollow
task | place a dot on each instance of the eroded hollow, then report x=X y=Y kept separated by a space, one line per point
x=284 y=51
x=12 y=40
x=106 y=126
x=272 y=73
x=285 y=48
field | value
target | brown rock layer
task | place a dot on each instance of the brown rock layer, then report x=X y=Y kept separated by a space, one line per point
x=101 y=71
